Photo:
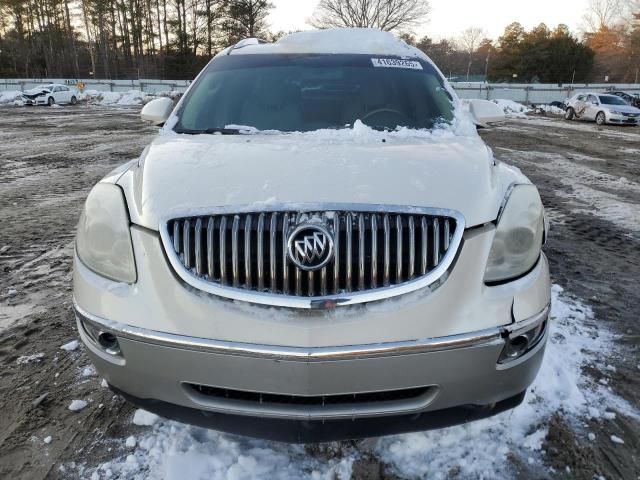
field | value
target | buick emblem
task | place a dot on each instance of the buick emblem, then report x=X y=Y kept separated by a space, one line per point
x=310 y=246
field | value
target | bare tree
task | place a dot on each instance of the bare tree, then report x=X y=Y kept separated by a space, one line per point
x=603 y=14
x=469 y=41
x=386 y=15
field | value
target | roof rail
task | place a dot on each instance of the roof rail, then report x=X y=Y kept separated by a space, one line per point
x=246 y=42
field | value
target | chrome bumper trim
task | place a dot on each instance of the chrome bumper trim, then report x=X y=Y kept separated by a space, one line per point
x=481 y=338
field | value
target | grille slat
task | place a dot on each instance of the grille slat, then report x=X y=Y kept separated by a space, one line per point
x=210 y=248
x=412 y=247
x=261 y=252
x=249 y=251
x=436 y=242
x=235 y=251
x=361 y=234
x=198 y=246
x=223 y=250
x=349 y=264
x=186 y=243
x=374 y=251
x=399 y=245
x=387 y=250
x=336 y=265
x=285 y=260
x=273 y=227
x=424 y=232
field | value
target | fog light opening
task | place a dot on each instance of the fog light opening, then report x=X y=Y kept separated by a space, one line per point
x=516 y=347
x=109 y=343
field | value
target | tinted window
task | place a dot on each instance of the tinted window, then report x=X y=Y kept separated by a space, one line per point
x=310 y=92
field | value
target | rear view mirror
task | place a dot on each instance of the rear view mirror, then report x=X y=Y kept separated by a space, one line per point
x=486 y=113
x=157 y=111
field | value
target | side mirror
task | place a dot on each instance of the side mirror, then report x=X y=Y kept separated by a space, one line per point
x=157 y=111
x=486 y=113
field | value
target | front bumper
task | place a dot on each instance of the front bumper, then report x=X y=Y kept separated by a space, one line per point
x=260 y=387
x=623 y=119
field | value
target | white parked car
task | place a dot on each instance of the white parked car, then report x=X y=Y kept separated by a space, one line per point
x=602 y=108
x=318 y=245
x=50 y=94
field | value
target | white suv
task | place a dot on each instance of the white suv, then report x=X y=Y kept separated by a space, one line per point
x=317 y=245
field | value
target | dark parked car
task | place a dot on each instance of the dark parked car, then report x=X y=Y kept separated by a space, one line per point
x=631 y=98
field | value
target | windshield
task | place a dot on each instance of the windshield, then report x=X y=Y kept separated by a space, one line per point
x=309 y=92
x=611 y=100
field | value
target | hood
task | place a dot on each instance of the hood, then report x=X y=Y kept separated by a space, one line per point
x=37 y=91
x=181 y=175
x=622 y=108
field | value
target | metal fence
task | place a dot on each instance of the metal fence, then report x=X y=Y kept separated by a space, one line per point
x=540 y=93
x=522 y=93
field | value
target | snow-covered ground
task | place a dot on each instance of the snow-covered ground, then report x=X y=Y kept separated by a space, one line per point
x=171 y=450
x=588 y=189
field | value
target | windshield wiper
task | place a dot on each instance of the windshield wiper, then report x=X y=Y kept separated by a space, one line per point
x=211 y=131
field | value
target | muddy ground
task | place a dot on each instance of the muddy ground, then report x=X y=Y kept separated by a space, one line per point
x=589 y=180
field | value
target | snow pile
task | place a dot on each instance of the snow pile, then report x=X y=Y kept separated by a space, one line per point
x=132 y=97
x=71 y=346
x=512 y=109
x=481 y=449
x=77 y=405
x=142 y=417
x=477 y=450
x=12 y=97
x=549 y=110
x=24 y=359
x=174 y=451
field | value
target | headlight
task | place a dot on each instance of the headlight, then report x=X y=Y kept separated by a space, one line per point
x=615 y=112
x=518 y=239
x=103 y=242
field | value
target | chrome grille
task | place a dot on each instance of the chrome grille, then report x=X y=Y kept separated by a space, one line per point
x=373 y=251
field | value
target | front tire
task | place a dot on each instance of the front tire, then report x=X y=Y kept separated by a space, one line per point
x=74 y=100
x=50 y=101
x=601 y=118
x=570 y=114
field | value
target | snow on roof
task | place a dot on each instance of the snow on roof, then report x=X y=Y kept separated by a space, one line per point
x=334 y=40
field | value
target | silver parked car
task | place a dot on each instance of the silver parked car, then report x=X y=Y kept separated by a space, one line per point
x=318 y=245
x=602 y=108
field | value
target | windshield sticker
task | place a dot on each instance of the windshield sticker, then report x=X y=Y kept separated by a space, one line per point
x=396 y=63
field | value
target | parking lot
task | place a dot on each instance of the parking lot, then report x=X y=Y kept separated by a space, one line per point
x=589 y=179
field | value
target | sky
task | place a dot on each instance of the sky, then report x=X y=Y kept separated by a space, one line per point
x=449 y=17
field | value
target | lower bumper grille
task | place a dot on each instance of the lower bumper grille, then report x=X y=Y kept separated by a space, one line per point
x=312 y=401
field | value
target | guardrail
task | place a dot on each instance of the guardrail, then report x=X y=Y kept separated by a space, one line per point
x=523 y=93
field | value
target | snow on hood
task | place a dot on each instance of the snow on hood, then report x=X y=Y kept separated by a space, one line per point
x=180 y=175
